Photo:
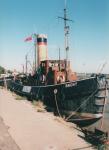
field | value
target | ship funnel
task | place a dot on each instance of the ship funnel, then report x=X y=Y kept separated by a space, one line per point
x=41 y=48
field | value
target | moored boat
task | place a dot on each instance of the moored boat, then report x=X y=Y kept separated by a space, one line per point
x=53 y=82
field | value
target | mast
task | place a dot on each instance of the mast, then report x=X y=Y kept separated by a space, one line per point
x=66 y=38
x=35 y=38
x=59 y=60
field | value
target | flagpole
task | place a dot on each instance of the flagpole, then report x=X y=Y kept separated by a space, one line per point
x=35 y=38
x=26 y=68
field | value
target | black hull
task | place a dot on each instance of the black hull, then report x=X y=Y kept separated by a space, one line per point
x=84 y=121
x=69 y=96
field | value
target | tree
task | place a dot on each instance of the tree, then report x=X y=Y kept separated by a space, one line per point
x=2 y=70
x=9 y=71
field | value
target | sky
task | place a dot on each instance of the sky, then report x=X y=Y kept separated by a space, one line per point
x=88 y=38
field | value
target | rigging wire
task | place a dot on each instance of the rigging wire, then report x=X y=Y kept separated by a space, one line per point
x=101 y=67
x=81 y=105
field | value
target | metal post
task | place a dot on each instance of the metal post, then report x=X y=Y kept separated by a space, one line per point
x=26 y=65
x=23 y=68
x=35 y=38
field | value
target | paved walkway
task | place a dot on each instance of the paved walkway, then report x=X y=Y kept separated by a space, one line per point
x=32 y=130
x=6 y=141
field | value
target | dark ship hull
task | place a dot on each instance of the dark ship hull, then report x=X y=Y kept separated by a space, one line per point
x=85 y=119
x=69 y=98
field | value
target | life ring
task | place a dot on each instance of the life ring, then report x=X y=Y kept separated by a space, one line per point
x=60 y=78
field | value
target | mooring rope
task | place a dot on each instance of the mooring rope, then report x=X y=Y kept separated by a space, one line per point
x=57 y=107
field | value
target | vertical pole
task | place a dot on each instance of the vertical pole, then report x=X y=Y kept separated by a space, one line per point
x=33 y=68
x=5 y=82
x=66 y=32
x=35 y=36
x=26 y=67
x=23 y=68
x=35 y=57
x=66 y=28
x=59 y=60
x=105 y=101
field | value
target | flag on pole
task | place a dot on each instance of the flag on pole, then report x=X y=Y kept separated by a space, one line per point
x=28 y=39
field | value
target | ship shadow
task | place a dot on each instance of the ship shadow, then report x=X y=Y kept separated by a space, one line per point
x=82 y=148
x=96 y=138
x=86 y=140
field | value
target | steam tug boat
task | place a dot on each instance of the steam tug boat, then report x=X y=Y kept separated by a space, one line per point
x=81 y=101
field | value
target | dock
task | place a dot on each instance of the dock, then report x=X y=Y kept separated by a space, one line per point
x=29 y=129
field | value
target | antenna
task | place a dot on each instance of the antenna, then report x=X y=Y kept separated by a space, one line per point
x=66 y=33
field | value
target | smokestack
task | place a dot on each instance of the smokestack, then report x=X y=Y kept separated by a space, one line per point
x=41 y=48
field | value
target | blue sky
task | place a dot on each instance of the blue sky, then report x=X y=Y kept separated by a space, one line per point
x=89 y=34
